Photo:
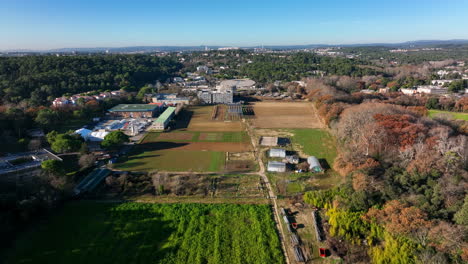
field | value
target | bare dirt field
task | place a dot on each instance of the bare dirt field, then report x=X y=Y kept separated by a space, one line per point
x=285 y=115
x=201 y=120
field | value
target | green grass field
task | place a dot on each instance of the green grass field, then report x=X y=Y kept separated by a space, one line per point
x=167 y=160
x=316 y=142
x=455 y=115
x=87 y=232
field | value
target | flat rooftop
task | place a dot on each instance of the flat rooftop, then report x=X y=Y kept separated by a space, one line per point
x=133 y=108
x=165 y=115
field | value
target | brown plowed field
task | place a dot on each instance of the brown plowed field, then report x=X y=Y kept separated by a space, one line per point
x=285 y=115
x=201 y=121
x=207 y=146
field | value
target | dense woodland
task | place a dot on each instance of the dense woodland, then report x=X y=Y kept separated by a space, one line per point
x=405 y=195
x=36 y=80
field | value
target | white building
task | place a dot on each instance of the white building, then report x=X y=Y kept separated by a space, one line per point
x=430 y=89
x=277 y=153
x=408 y=91
x=440 y=82
x=276 y=166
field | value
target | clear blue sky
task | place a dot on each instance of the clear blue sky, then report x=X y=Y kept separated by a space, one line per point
x=44 y=24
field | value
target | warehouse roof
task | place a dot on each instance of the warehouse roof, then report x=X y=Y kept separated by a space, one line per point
x=133 y=108
x=165 y=115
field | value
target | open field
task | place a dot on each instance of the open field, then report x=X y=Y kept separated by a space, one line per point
x=87 y=232
x=454 y=115
x=186 y=136
x=285 y=115
x=167 y=160
x=316 y=142
x=201 y=120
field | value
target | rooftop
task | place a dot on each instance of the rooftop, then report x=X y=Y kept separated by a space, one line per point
x=165 y=115
x=133 y=108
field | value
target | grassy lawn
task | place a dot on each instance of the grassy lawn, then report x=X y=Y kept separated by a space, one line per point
x=167 y=160
x=455 y=115
x=87 y=232
x=316 y=142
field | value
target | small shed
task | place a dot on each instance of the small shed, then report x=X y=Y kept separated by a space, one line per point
x=314 y=164
x=269 y=141
x=277 y=153
x=293 y=159
x=276 y=166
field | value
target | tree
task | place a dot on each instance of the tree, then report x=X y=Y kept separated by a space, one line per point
x=53 y=166
x=46 y=118
x=114 y=139
x=65 y=143
x=461 y=217
x=86 y=160
x=432 y=103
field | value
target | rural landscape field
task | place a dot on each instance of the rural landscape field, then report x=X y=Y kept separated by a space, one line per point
x=234 y=132
x=153 y=233
x=199 y=143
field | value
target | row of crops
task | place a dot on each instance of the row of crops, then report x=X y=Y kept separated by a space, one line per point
x=86 y=232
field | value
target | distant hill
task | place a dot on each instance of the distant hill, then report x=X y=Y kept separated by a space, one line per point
x=147 y=49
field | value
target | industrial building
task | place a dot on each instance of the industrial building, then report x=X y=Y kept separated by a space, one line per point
x=135 y=110
x=276 y=166
x=277 y=153
x=216 y=97
x=314 y=164
x=164 y=119
x=23 y=166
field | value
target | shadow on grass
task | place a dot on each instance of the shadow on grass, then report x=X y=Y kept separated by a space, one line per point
x=183 y=120
x=324 y=164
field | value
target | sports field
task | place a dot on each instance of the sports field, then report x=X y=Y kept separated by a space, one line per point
x=87 y=232
x=285 y=115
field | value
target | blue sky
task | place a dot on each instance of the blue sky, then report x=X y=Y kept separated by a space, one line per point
x=44 y=24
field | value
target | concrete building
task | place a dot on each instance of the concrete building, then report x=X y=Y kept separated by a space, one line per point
x=430 y=89
x=216 y=97
x=170 y=99
x=277 y=153
x=238 y=84
x=164 y=119
x=276 y=166
x=314 y=164
x=135 y=110
x=22 y=166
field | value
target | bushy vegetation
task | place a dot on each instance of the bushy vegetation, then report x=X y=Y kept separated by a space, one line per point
x=405 y=176
x=153 y=233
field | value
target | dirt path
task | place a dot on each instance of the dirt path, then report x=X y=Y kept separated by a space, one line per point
x=271 y=194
